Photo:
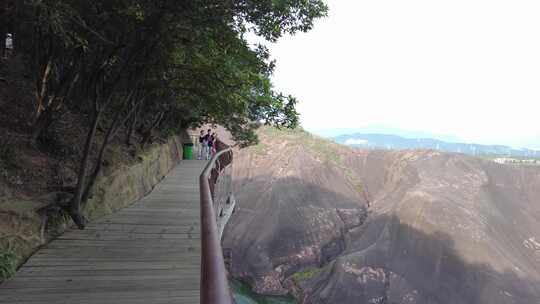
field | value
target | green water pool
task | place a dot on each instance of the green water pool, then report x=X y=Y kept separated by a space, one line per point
x=244 y=295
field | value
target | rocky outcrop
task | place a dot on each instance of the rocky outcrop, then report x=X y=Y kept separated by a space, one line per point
x=294 y=210
x=446 y=228
x=440 y=229
x=27 y=224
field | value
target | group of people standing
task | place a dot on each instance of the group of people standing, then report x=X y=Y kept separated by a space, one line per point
x=207 y=144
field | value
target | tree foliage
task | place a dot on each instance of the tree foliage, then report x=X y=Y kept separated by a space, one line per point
x=146 y=65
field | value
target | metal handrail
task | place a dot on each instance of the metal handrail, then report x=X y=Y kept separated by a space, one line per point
x=214 y=284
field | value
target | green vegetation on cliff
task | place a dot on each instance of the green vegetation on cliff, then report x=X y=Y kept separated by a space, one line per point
x=244 y=295
x=306 y=274
x=8 y=263
x=326 y=149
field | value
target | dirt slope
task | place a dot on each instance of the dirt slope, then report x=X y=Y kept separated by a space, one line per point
x=440 y=228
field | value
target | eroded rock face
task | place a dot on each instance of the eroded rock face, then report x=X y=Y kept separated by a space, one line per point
x=441 y=228
x=294 y=210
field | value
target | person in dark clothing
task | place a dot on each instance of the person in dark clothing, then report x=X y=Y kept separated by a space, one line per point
x=214 y=143
x=202 y=143
x=207 y=144
x=210 y=144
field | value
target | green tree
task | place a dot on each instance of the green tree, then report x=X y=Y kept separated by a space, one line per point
x=156 y=65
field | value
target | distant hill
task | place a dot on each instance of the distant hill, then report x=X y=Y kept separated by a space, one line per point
x=387 y=141
x=382 y=129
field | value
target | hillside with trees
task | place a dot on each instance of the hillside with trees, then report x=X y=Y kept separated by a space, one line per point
x=94 y=83
x=142 y=66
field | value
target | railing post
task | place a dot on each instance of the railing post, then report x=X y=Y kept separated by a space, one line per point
x=214 y=284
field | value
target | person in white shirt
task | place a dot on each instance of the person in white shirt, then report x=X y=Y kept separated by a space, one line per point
x=201 y=145
x=9 y=45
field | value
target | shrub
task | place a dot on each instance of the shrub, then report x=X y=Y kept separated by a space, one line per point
x=8 y=156
x=8 y=264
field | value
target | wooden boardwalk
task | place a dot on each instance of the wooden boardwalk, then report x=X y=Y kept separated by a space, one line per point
x=147 y=253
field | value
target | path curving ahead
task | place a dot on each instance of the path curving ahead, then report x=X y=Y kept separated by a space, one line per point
x=146 y=253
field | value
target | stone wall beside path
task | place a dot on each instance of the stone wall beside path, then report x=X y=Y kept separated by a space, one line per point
x=27 y=224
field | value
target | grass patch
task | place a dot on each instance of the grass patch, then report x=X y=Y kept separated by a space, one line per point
x=359 y=187
x=57 y=222
x=273 y=131
x=259 y=148
x=8 y=264
x=306 y=274
x=114 y=158
x=324 y=148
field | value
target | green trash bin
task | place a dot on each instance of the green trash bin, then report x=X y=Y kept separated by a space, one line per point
x=188 y=151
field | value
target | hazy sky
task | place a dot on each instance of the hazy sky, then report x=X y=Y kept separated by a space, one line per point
x=467 y=68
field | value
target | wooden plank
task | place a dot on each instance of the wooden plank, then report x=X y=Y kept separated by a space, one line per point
x=35 y=272
x=148 y=229
x=154 y=242
x=147 y=253
x=119 y=236
x=124 y=265
x=133 y=296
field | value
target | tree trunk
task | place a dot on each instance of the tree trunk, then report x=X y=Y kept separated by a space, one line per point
x=41 y=90
x=148 y=133
x=54 y=103
x=99 y=160
x=75 y=206
x=132 y=125
x=42 y=124
x=111 y=131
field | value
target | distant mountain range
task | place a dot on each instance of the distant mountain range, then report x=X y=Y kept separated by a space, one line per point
x=387 y=141
x=382 y=129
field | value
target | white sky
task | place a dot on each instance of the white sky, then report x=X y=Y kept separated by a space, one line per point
x=469 y=68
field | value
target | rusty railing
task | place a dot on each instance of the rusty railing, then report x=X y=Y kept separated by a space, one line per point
x=215 y=189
